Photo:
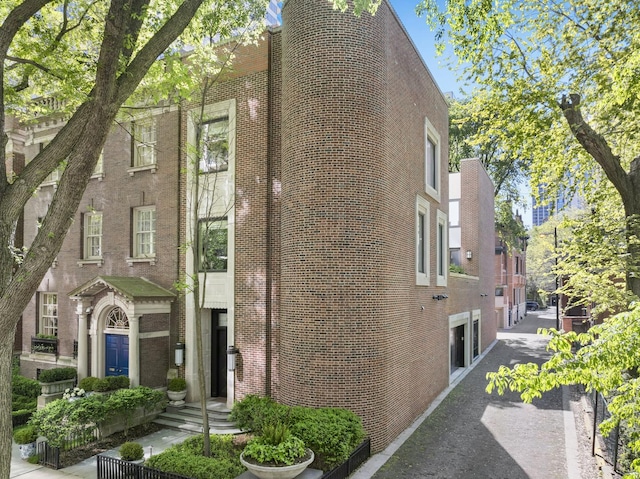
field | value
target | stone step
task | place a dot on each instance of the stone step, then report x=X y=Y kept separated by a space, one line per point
x=189 y=418
x=195 y=428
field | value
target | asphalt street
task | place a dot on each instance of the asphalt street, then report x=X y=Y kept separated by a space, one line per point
x=472 y=434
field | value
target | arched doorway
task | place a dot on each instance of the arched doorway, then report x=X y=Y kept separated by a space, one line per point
x=116 y=343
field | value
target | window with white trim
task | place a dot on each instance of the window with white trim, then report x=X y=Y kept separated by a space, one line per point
x=432 y=161
x=422 y=241
x=212 y=244
x=442 y=249
x=93 y=236
x=48 y=320
x=144 y=142
x=215 y=145
x=144 y=232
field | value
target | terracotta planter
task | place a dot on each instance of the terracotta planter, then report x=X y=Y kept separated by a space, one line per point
x=262 y=471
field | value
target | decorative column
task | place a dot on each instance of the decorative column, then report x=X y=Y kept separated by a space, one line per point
x=134 y=346
x=83 y=308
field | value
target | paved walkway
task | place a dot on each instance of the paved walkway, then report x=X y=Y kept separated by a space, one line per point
x=152 y=444
x=470 y=434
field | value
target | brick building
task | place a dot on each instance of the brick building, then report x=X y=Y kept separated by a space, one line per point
x=315 y=212
x=511 y=280
x=472 y=323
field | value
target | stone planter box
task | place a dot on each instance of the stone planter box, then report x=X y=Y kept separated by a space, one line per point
x=117 y=424
x=52 y=391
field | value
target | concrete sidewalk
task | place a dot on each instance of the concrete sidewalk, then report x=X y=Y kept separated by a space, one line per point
x=152 y=444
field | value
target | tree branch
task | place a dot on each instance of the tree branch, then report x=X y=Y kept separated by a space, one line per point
x=597 y=147
x=12 y=23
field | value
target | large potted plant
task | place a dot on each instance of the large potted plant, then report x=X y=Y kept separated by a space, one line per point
x=26 y=438
x=276 y=454
x=177 y=391
x=132 y=452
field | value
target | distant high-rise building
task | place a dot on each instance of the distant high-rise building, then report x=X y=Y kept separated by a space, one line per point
x=544 y=208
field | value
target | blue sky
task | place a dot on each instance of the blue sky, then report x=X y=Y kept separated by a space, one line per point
x=423 y=38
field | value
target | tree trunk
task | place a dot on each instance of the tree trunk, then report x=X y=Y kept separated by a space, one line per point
x=6 y=426
x=626 y=183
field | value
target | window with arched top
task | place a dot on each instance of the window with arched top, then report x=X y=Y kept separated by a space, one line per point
x=117 y=319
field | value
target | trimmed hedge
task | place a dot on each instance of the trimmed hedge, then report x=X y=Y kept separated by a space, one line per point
x=110 y=383
x=57 y=374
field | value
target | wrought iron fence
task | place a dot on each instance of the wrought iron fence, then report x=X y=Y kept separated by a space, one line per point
x=612 y=446
x=114 y=468
x=357 y=457
x=50 y=456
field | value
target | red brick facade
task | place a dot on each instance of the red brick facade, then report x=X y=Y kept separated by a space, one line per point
x=331 y=115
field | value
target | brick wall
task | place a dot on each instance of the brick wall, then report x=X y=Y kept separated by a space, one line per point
x=353 y=331
x=115 y=195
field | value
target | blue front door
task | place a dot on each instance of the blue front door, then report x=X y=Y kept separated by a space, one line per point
x=117 y=355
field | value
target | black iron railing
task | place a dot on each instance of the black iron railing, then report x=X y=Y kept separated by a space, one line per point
x=42 y=345
x=357 y=457
x=114 y=468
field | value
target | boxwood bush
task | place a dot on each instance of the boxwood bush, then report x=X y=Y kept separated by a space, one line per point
x=88 y=383
x=57 y=374
x=254 y=412
x=24 y=398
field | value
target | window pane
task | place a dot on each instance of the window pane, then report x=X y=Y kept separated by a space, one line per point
x=440 y=249
x=421 y=234
x=145 y=143
x=145 y=232
x=213 y=245
x=431 y=164
x=93 y=235
x=215 y=146
x=48 y=314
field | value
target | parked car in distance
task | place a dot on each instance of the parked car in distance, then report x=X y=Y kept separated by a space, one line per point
x=532 y=306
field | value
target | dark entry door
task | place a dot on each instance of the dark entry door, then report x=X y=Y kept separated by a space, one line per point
x=116 y=355
x=457 y=347
x=218 y=353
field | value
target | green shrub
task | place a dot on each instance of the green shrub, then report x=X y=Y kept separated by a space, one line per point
x=197 y=467
x=119 y=382
x=25 y=434
x=35 y=459
x=60 y=419
x=57 y=374
x=19 y=403
x=131 y=451
x=88 y=383
x=21 y=386
x=253 y=412
x=332 y=433
x=177 y=384
x=277 y=446
x=102 y=385
x=110 y=383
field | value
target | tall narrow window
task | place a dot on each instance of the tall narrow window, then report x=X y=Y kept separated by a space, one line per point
x=144 y=143
x=215 y=145
x=144 y=232
x=431 y=161
x=93 y=235
x=48 y=323
x=212 y=238
x=422 y=241
x=431 y=164
x=442 y=249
